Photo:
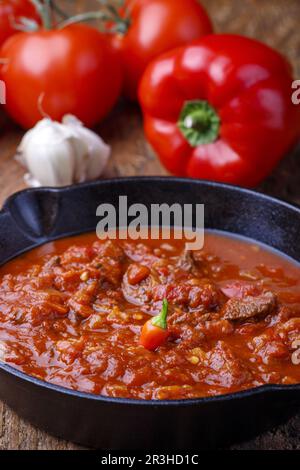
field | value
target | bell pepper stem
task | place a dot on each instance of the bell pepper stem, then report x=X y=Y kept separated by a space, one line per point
x=161 y=319
x=199 y=123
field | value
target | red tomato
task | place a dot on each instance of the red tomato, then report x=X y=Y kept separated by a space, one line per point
x=72 y=70
x=10 y=13
x=156 y=26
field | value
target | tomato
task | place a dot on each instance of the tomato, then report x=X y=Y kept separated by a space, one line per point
x=10 y=13
x=73 y=70
x=156 y=26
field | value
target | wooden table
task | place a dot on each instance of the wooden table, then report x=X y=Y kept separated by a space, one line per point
x=274 y=21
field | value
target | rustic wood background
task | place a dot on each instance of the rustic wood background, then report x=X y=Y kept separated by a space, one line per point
x=274 y=21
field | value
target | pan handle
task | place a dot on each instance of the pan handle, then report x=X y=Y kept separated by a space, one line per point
x=13 y=241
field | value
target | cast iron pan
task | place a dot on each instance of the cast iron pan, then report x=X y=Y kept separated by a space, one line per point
x=33 y=217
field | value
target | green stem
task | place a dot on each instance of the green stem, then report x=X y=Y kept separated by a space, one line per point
x=92 y=15
x=161 y=319
x=199 y=123
x=25 y=25
x=44 y=10
x=48 y=14
x=58 y=10
x=121 y=23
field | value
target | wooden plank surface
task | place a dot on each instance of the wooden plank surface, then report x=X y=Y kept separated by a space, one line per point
x=274 y=21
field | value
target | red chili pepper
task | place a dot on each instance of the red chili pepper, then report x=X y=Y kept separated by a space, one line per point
x=155 y=331
x=220 y=109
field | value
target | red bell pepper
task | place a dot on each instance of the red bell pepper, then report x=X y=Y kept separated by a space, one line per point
x=220 y=109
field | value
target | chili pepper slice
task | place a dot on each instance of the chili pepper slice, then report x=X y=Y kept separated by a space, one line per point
x=155 y=331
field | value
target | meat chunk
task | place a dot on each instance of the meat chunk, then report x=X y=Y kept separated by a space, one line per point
x=249 y=306
x=185 y=261
x=108 y=262
x=190 y=260
x=137 y=273
x=139 y=293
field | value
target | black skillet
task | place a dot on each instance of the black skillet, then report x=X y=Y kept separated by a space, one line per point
x=33 y=217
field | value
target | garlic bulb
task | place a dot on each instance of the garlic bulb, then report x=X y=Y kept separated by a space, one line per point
x=59 y=154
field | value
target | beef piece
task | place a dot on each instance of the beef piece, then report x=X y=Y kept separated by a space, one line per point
x=140 y=293
x=185 y=261
x=137 y=273
x=108 y=262
x=249 y=306
x=190 y=260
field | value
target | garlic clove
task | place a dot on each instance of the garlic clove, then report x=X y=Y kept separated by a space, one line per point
x=98 y=152
x=59 y=154
x=47 y=152
x=81 y=157
x=31 y=182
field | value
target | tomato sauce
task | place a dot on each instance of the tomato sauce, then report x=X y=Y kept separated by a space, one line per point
x=71 y=313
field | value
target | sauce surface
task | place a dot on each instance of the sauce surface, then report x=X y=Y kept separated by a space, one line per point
x=71 y=313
